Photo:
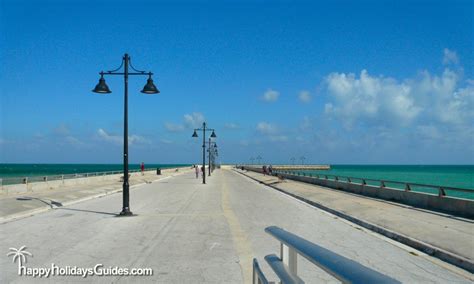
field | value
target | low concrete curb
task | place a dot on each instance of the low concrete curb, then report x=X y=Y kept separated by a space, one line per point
x=444 y=255
x=17 y=216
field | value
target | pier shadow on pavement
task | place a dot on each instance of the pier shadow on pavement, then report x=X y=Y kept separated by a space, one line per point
x=87 y=211
x=59 y=206
x=51 y=203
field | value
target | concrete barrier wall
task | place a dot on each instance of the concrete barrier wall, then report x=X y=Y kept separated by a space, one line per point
x=455 y=206
x=54 y=184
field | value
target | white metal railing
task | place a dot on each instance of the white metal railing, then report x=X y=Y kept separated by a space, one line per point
x=286 y=265
x=44 y=178
x=258 y=276
x=441 y=191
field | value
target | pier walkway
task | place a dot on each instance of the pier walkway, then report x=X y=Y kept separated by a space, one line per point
x=188 y=232
x=16 y=205
x=449 y=235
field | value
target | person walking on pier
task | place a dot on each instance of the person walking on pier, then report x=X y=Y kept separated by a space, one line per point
x=196 y=169
x=142 y=168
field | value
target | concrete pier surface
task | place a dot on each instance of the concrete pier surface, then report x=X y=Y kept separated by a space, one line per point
x=188 y=232
x=16 y=204
x=450 y=238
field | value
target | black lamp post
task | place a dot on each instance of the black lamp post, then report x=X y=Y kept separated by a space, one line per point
x=102 y=88
x=211 y=150
x=302 y=158
x=213 y=135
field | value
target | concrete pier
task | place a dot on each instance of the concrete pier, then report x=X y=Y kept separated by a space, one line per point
x=188 y=232
x=445 y=236
x=295 y=167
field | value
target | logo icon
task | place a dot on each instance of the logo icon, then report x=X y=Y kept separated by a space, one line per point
x=19 y=254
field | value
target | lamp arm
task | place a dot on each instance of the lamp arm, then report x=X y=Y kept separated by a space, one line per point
x=131 y=66
x=121 y=64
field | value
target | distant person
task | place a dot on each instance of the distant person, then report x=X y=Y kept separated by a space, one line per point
x=142 y=168
x=270 y=170
x=196 y=169
x=264 y=170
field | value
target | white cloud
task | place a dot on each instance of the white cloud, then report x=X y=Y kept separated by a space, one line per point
x=172 y=127
x=304 y=97
x=109 y=138
x=450 y=57
x=193 y=120
x=61 y=130
x=278 y=138
x=369 y=98
x=428 y=131
x=136 y=139
x=306 y=124
x=118 y=139
x=428 y=117
x=73 y=141
x=270 y=95
x=266 y=128
x=231 y=126
x=166 y=141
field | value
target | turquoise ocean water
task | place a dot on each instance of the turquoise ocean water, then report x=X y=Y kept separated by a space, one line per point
x=459 y=176
x=32 y=170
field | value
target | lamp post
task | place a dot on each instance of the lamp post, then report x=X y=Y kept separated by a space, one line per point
x=302 y=158
x=102 y=88
x=211 y=149
x=213 y=135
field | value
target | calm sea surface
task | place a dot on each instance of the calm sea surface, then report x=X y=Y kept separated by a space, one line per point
x=460 y=176
x=32 y=170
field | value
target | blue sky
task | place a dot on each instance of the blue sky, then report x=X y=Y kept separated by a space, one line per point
x=385 y=82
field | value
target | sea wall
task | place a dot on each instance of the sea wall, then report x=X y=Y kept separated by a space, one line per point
x=455 y=206
x=55 y=184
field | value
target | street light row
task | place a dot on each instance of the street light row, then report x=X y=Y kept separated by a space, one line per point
x=292 y=159
x=213 y=135
x=149 y=88
x=102 y=88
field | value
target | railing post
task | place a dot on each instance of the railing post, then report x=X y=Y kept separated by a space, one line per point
x=289 y=257
x=253 y=272
x=441 y=192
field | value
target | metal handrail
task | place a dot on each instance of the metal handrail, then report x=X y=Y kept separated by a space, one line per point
x=258 y=276
x=340 y=267
x=382 y=183
x=40 y=178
